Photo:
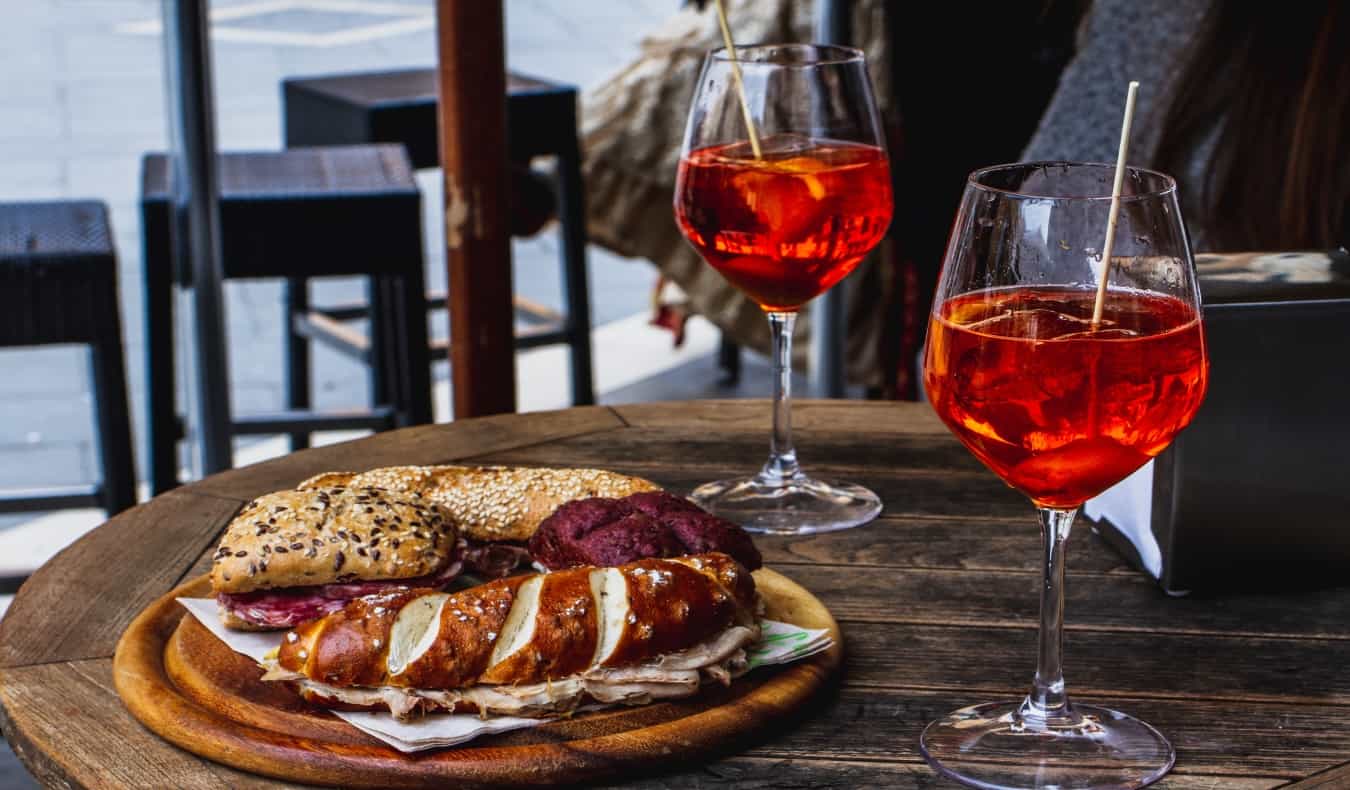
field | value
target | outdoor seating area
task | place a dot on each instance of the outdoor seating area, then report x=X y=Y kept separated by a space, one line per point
x=61 y=287
x=427 y=393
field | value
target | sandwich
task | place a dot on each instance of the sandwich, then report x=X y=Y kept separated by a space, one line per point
x=537 y=645
x=292 y=556
x=497 y=508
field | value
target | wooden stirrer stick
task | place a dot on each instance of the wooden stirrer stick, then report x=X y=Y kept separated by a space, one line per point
x=1114 y=214
x=736 y=75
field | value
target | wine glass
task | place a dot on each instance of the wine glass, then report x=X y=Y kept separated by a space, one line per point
x=1061 y=408
x=783 y=189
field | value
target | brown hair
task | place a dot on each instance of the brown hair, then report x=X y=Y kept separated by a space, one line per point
x=1275 y=79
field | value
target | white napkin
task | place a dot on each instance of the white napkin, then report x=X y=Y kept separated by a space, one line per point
x=780 y=643
x=1128 y=505
x=783 y=643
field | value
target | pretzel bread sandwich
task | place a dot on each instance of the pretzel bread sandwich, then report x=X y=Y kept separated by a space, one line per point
x=497 y=508
x=537 y=645
x=292 y=556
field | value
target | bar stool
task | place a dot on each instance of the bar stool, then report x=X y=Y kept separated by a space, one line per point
x=400 y=107
x=318 y=212
x=58 y=284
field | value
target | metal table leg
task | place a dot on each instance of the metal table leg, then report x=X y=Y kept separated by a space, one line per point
x=187 y=55
x=828 y=312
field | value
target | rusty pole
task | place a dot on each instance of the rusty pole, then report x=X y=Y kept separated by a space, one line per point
x=472 y=72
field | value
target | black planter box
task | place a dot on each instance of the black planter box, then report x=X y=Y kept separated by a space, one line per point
x=1255 y=494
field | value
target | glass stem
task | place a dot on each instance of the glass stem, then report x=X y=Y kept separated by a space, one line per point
x=1048 y=698
x=782 y=463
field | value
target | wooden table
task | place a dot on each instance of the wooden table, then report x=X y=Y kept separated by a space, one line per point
x=937 y=600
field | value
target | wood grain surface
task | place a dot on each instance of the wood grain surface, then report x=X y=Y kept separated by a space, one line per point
x=77 y=605
x=192 y=690
x=936 y=601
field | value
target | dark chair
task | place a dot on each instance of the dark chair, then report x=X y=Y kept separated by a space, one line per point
x=320 y=212
x=58 y=284
x=400 y=107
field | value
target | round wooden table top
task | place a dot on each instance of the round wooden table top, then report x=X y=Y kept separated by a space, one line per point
x=936 y=599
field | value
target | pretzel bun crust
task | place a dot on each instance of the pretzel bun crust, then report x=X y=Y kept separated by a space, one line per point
x=526 y=629
x=353 y=644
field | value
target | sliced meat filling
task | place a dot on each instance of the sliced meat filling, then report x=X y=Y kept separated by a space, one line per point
x=494 y=560
x=288 y=607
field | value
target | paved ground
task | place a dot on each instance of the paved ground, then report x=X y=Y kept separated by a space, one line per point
x=82 y=86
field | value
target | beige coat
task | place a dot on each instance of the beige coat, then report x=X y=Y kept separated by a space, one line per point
x=632 y=129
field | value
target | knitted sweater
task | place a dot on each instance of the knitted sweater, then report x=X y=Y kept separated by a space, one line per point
x=1119 y=41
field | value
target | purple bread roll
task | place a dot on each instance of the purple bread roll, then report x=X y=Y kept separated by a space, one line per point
x=649 y=524
x=657 y=503
x=559 y=546
x=635 y=536
x=701 y=532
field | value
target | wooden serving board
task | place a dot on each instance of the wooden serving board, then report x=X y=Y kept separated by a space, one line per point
x=195 y=692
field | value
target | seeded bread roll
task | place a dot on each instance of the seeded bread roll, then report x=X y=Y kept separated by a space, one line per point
x=320 y=536
x=493 y=503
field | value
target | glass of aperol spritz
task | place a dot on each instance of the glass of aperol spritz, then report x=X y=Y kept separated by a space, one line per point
x=783 y=188
x=1061 y=403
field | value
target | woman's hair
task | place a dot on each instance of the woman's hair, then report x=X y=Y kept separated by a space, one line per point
x=1275 y=78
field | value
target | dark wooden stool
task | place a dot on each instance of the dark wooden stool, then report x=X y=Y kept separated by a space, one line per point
x=319 y=212
x=400 y=107
x=58 y=284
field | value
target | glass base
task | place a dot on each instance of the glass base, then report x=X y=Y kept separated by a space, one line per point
x=796 y=505
x=995 y=746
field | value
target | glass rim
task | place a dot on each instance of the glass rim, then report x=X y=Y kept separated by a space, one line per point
x=1169 y=184
x=838 y=55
